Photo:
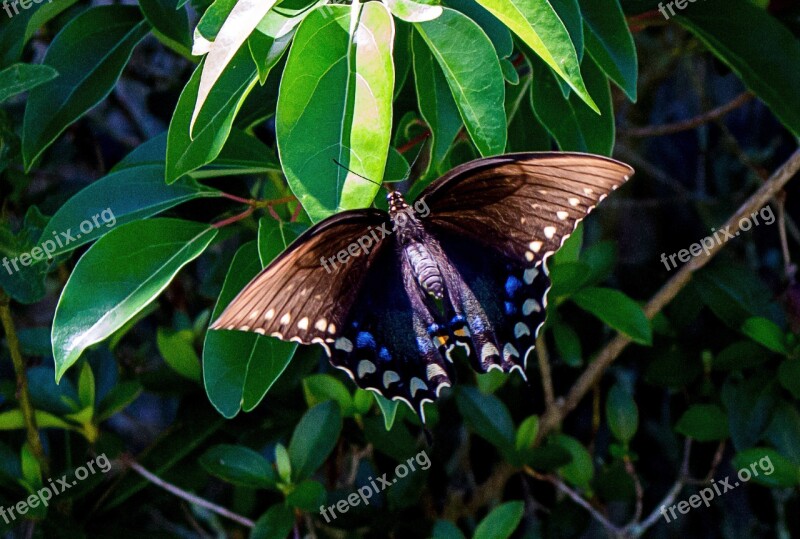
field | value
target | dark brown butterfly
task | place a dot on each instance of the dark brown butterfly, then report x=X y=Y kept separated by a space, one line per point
x=463 y=267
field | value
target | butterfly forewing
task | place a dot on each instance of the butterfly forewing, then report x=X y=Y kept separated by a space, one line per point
x=296 y=297
x=524 y=205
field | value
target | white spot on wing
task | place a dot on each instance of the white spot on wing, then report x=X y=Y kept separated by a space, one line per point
x=549 y=232
x=303 y=324
x=521 y=329
x=434 y=370
x=321 y=324
x=530 y=306
x=365 y=367
x=269 y=315
x=573 y=201
x=488 y=351
x=415 y=385
x=529 y=275
x=286 y=318
x=344 y=344
x=562 y=215
x=536 y=246
x=390 y=377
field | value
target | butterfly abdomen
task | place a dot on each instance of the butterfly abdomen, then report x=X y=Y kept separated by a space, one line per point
x=425 y=269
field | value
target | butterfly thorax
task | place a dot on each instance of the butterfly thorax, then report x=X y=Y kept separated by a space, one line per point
x=413 y=242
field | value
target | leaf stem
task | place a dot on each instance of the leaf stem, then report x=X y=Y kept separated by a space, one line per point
x=23 y=395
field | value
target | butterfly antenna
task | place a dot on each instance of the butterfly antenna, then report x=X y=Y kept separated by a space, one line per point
x=414 y=162
x=359 y=175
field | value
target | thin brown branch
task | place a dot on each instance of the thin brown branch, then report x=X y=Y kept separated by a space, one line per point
x=630 y=469
x=544 y=368
x=188 y=496
x=683 y=475
x=691 y=123
x=23 y=395
x=552 y=418
x=234 y=219
x=577 y=498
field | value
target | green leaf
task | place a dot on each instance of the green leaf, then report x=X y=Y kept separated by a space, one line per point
x=86 y=387
x=283 y=464
x=130 y=194
x=501 y=522
x=618 y=311
x=740 y=355
x=314 y=438
x=335 y=102
x=170 y=23
x=125 y=270
x=241 y=21
x=784 y=431
x=436 y=104
x=498 y=33
x=574 y=127
x=789 y=376
x=21 y=277
x=444 y=529
x=89 y=55
x=580 y=470
x=767 y=333
x=388 y=410
x=527 y=432
x=118 y=399
x=239 y=367
x=610 y=43
x=704 y=423
x=278 y=521
x=759 y=49
x=238 y=465
x=459 y=44
x=411 y=11
x=187 y=153
x=622 y=414
x=13 y=420
x=569 y=11
x=323 y=387
x=177 y=349
x=487 y=416
x=307 y=496
x=20 y=78
x=767 y=467
x=750 y=405
x=537 y=24
x=568 y=344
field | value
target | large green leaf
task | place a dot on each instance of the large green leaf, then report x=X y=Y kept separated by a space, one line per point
x=187 y=153
x=610 y=43
x=89 y=55
x=618 y=311
x=130 y=194
x=436 y=103
x=488 y=416
x=20 y=78
x=240 y=23
x=704 y=423
x=459 y=44
x=335 y=102
x=622 y=414
x=125 y=270
x=239 y=367
x=574 y=127
x=501 y=522
x=170 y=23
x=760 y=50
x=539 y=26
x=314 y=438
x=238 y=465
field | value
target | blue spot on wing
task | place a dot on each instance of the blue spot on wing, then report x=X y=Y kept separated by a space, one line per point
x=384 y=355
x=513 y=284
x=510 y=308
x=364 y=339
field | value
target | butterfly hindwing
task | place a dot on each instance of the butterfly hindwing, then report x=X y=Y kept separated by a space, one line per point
x=300 y=298
x=387 y=343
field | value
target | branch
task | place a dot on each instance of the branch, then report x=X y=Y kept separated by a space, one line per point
x=691 y=123
x=188 y=496
x=683 y=476
x=544 y=367
x=23 y=395
x=553 y=417
x=615 y=531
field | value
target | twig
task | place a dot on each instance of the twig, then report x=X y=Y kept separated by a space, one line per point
x=23 y=395
x=230 y=220
x=614 y=530
x=544 y=368
x=691 y=123
x=637 y=484
x=551 y=418
x=683 y=475
x=189 y=497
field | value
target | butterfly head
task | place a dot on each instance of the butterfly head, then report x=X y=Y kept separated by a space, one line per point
x=396 y=202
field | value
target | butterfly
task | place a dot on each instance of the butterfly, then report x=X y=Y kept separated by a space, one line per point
x=392 y=296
